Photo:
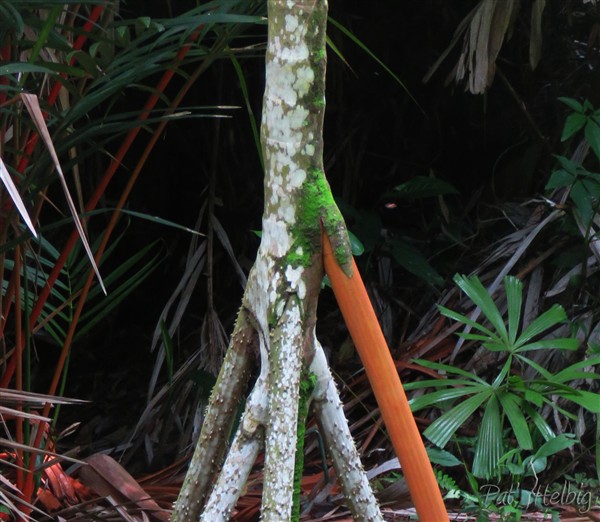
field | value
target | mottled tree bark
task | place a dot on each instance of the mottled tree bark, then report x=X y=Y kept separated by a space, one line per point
x=281 y=295
x=224 y=400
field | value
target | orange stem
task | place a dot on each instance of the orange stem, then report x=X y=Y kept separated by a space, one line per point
x=372 y=348
x=19 y=358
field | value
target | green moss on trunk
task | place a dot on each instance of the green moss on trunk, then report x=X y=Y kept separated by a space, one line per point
x=307 y=386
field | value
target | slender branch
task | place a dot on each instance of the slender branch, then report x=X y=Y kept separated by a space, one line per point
x=223 y=403
x=247 y=443
x=338 y=439
x=284 y=388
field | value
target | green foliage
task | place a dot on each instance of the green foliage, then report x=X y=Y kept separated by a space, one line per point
x=412 y=260
x=583 y=184
x=95 y=79
x=508 y=499
x=368 y=228
x=87 y=67
x=442 y=457
x=584 y=117
x=533 y=464
x=510 y=401
x=479 y=502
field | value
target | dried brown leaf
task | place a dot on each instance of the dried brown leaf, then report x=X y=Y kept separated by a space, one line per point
x=533 y=297
x=32 y=105
x=500 y=24
x=17 y=445
x=13 y=413
x=109 y=479
x=22 y=398
x=458 y=34
x=478 y=57
x=61 y=484
x=529 y=235
x=485 y=28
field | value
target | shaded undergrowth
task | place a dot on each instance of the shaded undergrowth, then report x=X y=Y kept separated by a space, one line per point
x=455 y=183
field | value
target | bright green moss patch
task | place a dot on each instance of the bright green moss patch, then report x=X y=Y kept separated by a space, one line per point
x=340 y=252
x=319 y=102
x=308 y=381
x=298 y=259
x=317 y=207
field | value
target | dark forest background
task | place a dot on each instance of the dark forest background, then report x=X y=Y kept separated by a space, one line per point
x=432 y=179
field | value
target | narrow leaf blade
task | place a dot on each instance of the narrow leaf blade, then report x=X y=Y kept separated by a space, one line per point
x=15 y=196
x=514 y=298
x=442 y=429
x=489 y=444
x=547 y=320
x=31 y=102
x=473 y=288
x=511 y=405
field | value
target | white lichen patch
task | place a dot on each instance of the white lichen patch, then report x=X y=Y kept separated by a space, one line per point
x=276 y=239
x=301 y=289
x=304 y=78
x=293 y=275
x=297 y=178
x=295 y=49
x=287 y=212
x=283 y=414
x=309 y=149
x=294 y=278
x=291 y=23
x=297 y=117
x=274 y=197
x=285 y=177
x=280 y=89
x=285 y=127
x=273 y=295
x=273 y=288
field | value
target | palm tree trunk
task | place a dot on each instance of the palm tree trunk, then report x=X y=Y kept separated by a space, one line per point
x=280 y=299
